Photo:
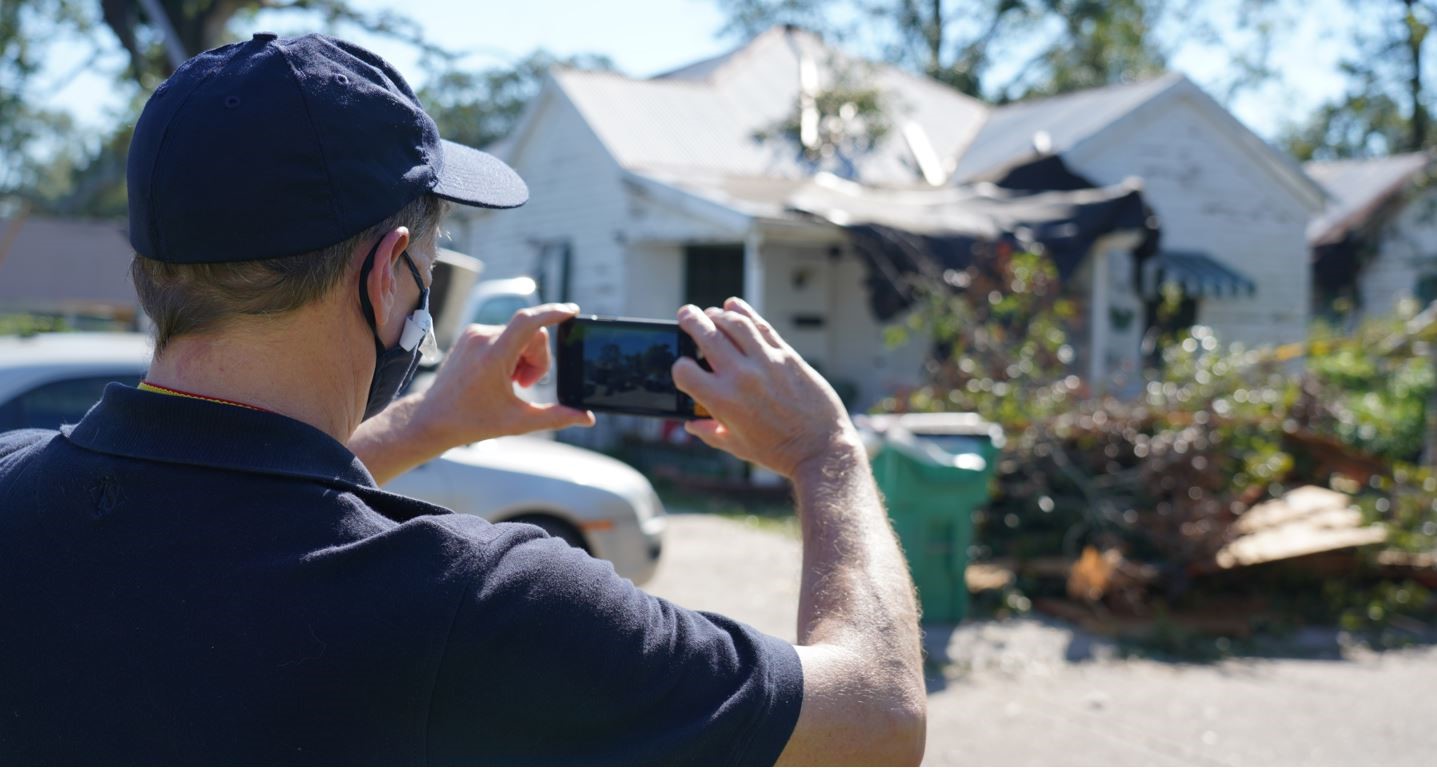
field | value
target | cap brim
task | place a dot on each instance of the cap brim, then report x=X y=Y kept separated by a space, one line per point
x=471 y=177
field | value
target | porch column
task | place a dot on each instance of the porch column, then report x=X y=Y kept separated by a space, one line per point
x=753 y=270
x=1098 y=324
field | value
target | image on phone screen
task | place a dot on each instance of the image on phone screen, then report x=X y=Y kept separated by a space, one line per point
x=622 y=366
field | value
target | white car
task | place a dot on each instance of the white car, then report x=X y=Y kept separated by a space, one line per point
x=588 y=499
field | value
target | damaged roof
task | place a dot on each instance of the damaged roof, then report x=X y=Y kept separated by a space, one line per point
x=707 y=117
x=1358 y=189
x=705 y=123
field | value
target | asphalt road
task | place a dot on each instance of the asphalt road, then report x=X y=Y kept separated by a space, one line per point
x=1031 y=692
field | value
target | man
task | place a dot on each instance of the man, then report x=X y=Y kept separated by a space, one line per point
x=205 y=570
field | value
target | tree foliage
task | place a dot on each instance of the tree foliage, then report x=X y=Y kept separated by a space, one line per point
x=199 y=25
x=1164 y=477
x=28 y=128
x=1002 y=49
x=49 y=164
x=478 y=108
x=1388 y=104
x=1101 y=43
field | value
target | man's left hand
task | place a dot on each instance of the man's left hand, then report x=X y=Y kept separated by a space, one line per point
x=473 y=395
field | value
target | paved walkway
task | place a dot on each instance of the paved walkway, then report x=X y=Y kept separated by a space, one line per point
x=1031 y=692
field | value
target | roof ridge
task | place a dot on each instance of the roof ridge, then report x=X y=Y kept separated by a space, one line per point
x=717 y=61
x=724 y=61
x=1356 y=161
x=1172 y=75
x=646 y=81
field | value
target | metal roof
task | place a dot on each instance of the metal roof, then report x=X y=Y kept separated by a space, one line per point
x=1008 y=135
x=706 y=117
x=758 y=197
x=1358 y=188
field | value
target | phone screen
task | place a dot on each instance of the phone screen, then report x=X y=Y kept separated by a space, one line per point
x=623 y=366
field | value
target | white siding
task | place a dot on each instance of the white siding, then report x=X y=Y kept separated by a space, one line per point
x=656 y=280
x=1212 y=195
x=798 y=285
x=1408 y=252
x=859 y=354
x=575 y=195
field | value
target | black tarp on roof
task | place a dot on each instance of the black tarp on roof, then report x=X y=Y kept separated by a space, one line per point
x=1041 y=205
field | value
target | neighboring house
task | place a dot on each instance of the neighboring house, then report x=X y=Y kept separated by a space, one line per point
x=650 y=193
x=1376 y=243
x=72 y=268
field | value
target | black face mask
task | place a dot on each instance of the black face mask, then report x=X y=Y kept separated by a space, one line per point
x=395 y=368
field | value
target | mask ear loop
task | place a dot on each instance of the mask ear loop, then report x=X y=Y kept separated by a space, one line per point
x=366 y=305
x=419 y=326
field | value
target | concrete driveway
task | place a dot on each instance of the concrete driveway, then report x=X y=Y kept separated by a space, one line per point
x=1033 y=692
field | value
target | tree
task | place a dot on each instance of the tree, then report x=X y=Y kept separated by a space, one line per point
x=47 y=164
x=1067 y=44
x=932 y=40
x=28 y=129
x=1388 y=105
x=748 y=18
x=923 y=36
x=1099 y=43
x=194 y=26
x=478 y=108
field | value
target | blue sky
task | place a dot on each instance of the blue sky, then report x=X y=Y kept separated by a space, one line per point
x=645 y=37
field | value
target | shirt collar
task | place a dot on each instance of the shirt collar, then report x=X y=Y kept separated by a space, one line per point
x=180 y=430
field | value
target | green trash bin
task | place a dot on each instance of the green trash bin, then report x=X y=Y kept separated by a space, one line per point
x=934 y=470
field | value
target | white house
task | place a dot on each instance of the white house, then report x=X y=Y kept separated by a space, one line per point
x=650 y=193
x=1232 y=209
x=1376 y=243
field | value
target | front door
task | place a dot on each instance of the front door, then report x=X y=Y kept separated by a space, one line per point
x=797 y=284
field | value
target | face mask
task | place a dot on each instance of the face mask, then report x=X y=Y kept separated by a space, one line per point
x=395 y=368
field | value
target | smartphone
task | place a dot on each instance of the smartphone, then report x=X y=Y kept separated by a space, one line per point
x=623 y=365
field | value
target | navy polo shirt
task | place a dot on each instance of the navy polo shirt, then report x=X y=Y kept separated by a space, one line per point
x=191 y=582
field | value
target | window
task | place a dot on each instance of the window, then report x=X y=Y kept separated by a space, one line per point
x=58 y=402
x=712 y=273
x=555 y=264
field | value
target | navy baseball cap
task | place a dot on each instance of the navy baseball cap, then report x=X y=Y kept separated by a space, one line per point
x=271 y=148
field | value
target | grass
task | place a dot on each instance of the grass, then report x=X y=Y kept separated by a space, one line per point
x=760 y=513
x=27 y=324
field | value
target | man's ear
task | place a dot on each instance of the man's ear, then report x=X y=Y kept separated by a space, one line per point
x=382 y=283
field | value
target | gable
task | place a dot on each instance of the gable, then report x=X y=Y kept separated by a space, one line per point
x=1008 y=135
x=1362 y=190
x=1193 y=118
x=1089 y=122
x=1207 y=189
x=551 y=131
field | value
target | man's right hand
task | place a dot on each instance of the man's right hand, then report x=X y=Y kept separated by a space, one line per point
x=768 y=405
x=863 y=692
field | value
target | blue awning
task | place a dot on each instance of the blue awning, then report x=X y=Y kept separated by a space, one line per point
x=1198 y=274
